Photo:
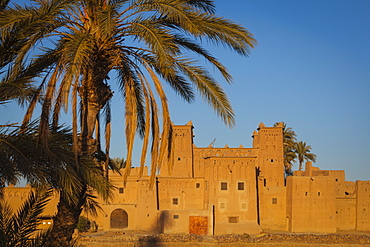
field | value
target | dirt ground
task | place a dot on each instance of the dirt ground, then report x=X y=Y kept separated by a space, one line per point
x=140 y=239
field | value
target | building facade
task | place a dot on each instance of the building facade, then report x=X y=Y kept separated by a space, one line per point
x=213 y=191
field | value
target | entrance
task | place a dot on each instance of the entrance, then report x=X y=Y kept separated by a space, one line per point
x=118 y=219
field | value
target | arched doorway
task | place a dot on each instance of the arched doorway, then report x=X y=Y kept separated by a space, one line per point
x=119 y=219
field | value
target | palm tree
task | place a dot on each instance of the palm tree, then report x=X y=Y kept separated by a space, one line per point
x=289 y=140
x=136 y=39
x=303 y=152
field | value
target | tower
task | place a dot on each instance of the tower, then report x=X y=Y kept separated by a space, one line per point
x=269 y=142
x=182 y=152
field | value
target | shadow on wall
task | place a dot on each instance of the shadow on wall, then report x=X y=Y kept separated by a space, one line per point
x=164 y=221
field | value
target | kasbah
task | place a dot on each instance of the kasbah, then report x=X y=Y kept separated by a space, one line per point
x=215 y=191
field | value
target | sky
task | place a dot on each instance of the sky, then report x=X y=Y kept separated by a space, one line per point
x=310 y=70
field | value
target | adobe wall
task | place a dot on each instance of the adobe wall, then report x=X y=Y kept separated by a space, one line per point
x=15 y=197
x=231 y=191
x=272 y=207
x=345 y=204
x=180 y=221
x=311 y=204
x=135 y=198
x=202 y=154
x=363 y=205
x=181 y=194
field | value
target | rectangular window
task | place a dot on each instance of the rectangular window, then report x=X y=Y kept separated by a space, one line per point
x=240 y=185
x=197 y=185
x=233 y=219
x=175 y=216
x=222 y=205
x=175 y=201
x=244 y=205
x=120 y=190
x=223 y=185
x=274 y=200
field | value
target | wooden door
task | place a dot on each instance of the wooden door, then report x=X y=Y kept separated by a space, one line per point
x=198 y=225
x=119 y=219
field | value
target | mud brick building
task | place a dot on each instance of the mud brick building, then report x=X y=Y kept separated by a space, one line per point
x=213 y=191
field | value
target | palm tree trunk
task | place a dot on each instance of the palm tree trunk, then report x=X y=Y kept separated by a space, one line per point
x=65 y=221
x=300 y=165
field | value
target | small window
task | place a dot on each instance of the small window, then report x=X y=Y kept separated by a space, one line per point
x=222 y=205
x=318 y=193
x=175 y=216
x=179 y=159
x=120 y=190
x=274 y=200
x=244 y=205
x=233 y=219
x=197 y=185
x=175 y=201
x=223 y=185
x=240 y=185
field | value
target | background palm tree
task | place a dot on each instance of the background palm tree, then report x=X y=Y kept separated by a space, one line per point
x=289 y=140
x=303 y=152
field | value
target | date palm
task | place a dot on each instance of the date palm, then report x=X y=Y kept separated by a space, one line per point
x=145 y=42
x=289 y=140
x=303 y=152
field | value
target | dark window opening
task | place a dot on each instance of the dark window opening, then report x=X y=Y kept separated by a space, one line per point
x=178 y=159
x=347 y=193
x=233 y=219
x=223 y=185
x=274 y=200
x=264 y=182
x=120 y=190
x=197 y=185
x=175 y=216
x=240 y=185
x=175 y=201
x=272 y=160
x=318 y=193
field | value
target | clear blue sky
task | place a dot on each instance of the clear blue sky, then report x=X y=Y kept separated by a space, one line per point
x=311 y=69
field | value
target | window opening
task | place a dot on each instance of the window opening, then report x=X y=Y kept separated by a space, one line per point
x=274 y=200
x=223 y=185
x=240 y=185
x=233 y=219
